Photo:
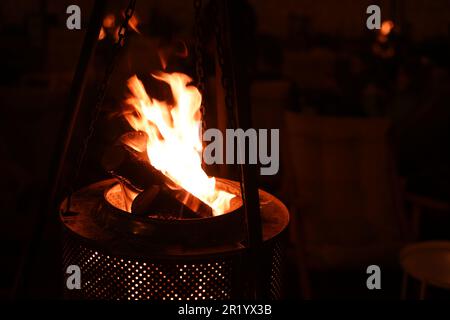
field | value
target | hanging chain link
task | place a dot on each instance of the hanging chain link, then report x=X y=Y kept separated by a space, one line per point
x=199 y=67
x=122 y=33
x=123 y=30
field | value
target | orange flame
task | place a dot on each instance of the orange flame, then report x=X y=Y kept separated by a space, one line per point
x=109 y=26
x=165 y=52
x=101 y=34
x=133 y=23
x=174 y=146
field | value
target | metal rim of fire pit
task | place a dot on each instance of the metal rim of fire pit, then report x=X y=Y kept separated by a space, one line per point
x=223 y=184
x=86 y=223
x=226 y=227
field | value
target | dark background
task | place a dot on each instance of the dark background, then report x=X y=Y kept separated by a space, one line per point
x=311 y=58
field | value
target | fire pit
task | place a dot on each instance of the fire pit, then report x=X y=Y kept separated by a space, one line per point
x=163 y=228
x=129 y=257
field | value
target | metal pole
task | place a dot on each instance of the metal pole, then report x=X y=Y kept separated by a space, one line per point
x=48 y=207
x=240 y=78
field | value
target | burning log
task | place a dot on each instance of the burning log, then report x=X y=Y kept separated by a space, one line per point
x=156 y=191
x=133 y=166
x=160 y=199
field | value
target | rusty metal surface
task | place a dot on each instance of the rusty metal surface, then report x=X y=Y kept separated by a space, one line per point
x=85 y=221
x=126 y=266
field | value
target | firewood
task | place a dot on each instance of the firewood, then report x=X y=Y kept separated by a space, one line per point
x=133 y=168
x=168 y=203
x=120 y=160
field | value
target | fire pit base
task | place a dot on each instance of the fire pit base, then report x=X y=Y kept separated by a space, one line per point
x=118 y=266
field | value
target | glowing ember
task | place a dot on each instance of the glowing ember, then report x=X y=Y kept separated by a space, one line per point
x=174 y=145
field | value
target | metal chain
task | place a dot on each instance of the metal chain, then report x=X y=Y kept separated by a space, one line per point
x=123 y=30
x=200 y=72
x=122 y=33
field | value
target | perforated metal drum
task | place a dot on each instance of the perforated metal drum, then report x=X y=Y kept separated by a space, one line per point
x=130 y=264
